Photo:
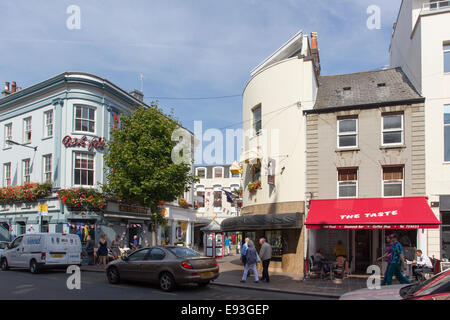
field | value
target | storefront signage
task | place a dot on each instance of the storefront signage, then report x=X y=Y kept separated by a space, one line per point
x=352 y=217
x=84 y=142
x=374 y=226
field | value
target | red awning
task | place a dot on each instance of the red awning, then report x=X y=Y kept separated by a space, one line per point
x=378 y=213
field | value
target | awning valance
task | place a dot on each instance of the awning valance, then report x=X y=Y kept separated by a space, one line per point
x=263 y=222
x=372 y=213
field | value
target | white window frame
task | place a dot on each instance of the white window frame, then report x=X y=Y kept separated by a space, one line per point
x=201 y=168
x=352 y=133
x=217 y=188
x=339 y=182
x=48 y=126
x=7 y=175
x=201 y=188
x=74 y=168
x=46 y=166
x=443 y=130
x=26 y=172
x=444 y=52
x=27 y=129
x=402 y=181
x=8 y=136
x=256 y=133
x=84 y=119
x=383 y=131
x=214 y=173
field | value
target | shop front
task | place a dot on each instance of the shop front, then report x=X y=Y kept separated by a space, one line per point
x=444 y=206
x=179 y=227
x=362 y=225
x=282 y=231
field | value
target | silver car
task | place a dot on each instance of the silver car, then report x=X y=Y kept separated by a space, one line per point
x=167 y=266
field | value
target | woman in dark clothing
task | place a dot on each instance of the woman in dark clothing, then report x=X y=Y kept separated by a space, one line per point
x=103 y=250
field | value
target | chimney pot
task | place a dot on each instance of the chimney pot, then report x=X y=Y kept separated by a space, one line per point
x=7 y=86
x=13 y=87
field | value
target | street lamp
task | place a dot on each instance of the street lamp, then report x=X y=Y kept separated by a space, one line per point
x=21 y=144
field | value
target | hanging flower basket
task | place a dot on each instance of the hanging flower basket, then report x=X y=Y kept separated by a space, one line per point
x=254 y=186
x=82 y=199
x=183 y=203
x=29 y=192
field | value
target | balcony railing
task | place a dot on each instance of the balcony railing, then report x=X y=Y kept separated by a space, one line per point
x=438 y=5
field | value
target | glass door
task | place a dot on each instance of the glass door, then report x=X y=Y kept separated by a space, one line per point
x=363 y=252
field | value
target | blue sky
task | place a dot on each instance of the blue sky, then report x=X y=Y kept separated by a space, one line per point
x=185 y=48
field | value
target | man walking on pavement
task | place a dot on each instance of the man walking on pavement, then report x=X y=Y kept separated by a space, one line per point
x=265 y=254
x=397 y=260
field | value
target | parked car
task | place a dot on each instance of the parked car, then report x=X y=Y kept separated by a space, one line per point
x=3 y=246
x=167 y=266
x=37 y=251
x=435 y=288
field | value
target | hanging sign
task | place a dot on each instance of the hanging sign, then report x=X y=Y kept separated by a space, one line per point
x=271 y=171
x=84 y=142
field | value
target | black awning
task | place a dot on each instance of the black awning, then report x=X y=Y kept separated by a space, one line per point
x=263 y=221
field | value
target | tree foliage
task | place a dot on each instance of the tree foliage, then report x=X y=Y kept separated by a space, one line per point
x=140 y=167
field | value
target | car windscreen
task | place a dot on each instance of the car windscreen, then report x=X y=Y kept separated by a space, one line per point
x=182 y=252
x=412 y=289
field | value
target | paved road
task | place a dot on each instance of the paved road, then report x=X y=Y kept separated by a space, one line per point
x=22 y=285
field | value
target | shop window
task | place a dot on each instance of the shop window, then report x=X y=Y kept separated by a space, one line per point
x=274 y=238
x=347 y=133
x=45 y=226
x=180 y=232
x=347 y=183
x=392 y=129
x=166 y=235
x=27 y=130
x=257 y=120
x=26 y=171
x=84 y=119
x=83 y=169
x=200 y=173
x=48 y=123
x=393 y=181
x=447 y=133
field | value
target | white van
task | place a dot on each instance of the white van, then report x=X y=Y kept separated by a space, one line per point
x=37 y=251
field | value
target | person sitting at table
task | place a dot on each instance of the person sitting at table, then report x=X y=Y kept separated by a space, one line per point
x=421 y=265
x=319 y=260
x=340 y=250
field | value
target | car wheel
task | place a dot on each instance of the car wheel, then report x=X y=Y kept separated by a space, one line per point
x=5 y=266
x=113 y=275
x=203 y=284
x=166 y=282
x=34 y=268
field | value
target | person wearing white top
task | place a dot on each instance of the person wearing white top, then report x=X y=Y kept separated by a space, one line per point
x=421 y=265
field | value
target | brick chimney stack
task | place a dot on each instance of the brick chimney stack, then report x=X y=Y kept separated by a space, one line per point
x=315 y=52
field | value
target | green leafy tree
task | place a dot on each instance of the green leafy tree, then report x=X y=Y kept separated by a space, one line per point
x=139 y=160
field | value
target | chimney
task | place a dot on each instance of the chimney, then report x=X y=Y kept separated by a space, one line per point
x=137 y=94
x=315 y=52
x=6 y=91
x=13 y=87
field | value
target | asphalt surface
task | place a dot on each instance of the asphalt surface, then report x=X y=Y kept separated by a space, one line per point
x=51 y=285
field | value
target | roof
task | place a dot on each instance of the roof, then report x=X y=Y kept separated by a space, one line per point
x=364 y=89
x=213 y=226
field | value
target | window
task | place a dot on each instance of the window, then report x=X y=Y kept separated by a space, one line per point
x=392 y=129
x=26 y=170
x=234 y=187
x=275 y=239
x=44 y=227
x=200 y=197
x=217 y=197
x=18 y=241
x=200 y=173
x=27 y=130
x=84 y=169
x=48 y=123
x=47 y=168
x=347 y=133
x=139 y=255
x=8 y=133
x=347 y=183
x=183 y=252
x=84 y=119
x=446 y=58
x=257 y=120
x=157 y=254
x=447 y=133
x=256 y=172
x=393 y=181
x=218 y=172
x=7 y=174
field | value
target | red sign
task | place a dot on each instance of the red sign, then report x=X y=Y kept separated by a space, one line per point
x=84 y=142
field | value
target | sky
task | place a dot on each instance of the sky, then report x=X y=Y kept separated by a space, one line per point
x=185 y=48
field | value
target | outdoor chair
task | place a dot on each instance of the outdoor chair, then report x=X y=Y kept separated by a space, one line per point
x=314 y=270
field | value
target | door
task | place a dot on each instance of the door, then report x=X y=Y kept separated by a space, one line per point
x=13 y=253
x=152 y=265
x=131 y=268
x=363 y=251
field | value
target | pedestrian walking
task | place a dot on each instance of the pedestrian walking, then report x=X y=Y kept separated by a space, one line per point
x=244 y=251
x=115 y=245
x=90 y=244
x=265 y=254
x=251 y=261
x=397 y=261
x=386 y=256
x=227 y=246
x=103 y=250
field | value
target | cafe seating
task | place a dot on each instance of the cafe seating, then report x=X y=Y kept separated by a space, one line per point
x=314 y=269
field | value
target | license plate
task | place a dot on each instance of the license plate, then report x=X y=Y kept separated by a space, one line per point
x=57 y=255
x=206 y=275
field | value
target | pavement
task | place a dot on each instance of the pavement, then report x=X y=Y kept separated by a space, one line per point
x=231 y=270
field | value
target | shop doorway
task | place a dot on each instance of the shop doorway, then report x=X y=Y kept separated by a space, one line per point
x=363 y=250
